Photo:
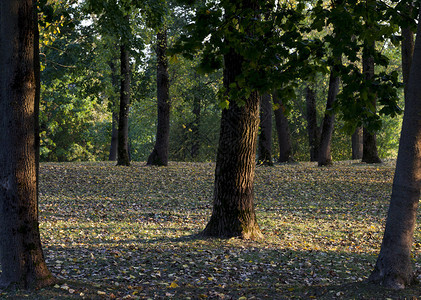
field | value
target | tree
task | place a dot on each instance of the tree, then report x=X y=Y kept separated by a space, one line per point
x=357 y=143
x=159 y=155
x=265 y=136
x=325 y=157
x=123 y=158
x=282 y=129
x=312 y=127
x=114 y=115
x=21 y=256
x=393 y=267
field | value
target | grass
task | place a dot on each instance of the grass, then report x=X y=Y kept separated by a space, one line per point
x=129 y=233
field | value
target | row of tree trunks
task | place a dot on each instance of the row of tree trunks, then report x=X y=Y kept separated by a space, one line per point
x=394 y=267
x=21 y=256
x=159 y=155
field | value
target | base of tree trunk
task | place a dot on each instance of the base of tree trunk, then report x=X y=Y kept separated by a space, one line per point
x=323 y=163
x=390 y=277
x=29 y=284
x=154 y=159
x=372 y=160
x=217 y=229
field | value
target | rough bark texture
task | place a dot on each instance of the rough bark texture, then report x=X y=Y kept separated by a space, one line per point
x=21 y=257
x=325 y=157
x=357 y=143
x=265 y=136
x=123 y=119
x=114 y=130
x=393 y=267
x=370 y=155
x=233 y=202
x=312 y=127
x=282 y=129
x=159 y=155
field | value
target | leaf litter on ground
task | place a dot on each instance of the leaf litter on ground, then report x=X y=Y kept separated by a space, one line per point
x=130 y=233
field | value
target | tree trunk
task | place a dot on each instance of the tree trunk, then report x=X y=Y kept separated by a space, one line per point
x=265 y=136
x=21 y=256
x=233 y=201
x=195 y=147
x=393 y=267
x=312 y=127
x=114 y=122
x=123 y=120
x=357 y=143
x=407 y=49
x=325 y=157
x=282 y=129
x=370 y=155
x=159 y=155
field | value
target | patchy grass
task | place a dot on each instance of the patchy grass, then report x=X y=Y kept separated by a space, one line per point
x=129 y=232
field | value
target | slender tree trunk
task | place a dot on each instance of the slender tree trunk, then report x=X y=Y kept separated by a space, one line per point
x=233 y=201
x=114 y=122
x=282 y=129
x=394 y=267
x=357 y=143
x=369 y=138
x=21 y=256
x=265 y=136
x=159 y=155
x=123 y=120
x=312 y=127
x=195 y=147
x=325 y=157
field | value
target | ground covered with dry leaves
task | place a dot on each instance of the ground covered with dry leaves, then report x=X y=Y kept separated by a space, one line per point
x=129 y=233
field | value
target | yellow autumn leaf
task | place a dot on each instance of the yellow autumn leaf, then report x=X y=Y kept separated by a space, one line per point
x=174 y=285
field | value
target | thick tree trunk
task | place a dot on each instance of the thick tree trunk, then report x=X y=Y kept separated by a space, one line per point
x=159 y=155
x=407 y=48
x=21 y=257
x=265 y=136
x=282 y=129
x=393 y=267
x=357 y=143
x=233 y=202
x=123 y=119
x=370 y=155
x=114 y=122
x=312 y=127
x=325 y=157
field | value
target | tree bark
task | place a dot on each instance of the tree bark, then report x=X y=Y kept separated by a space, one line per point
x=282 y=129
x=123 y=120
x=325 y=157
x=159 y=155
x=393 y=267
x=265 y=136
x=357 y=143
x=370 y=155
x=21 y=256
x=407 y=49
x=312 y=127
x=114 y=122
x=233 y=201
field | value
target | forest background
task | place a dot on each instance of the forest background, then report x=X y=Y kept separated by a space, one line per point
x=80 y=92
